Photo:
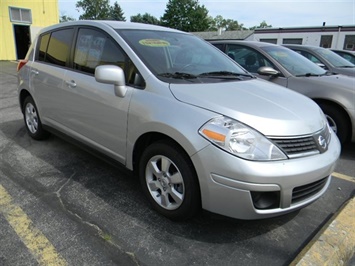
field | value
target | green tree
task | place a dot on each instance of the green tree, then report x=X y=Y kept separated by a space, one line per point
x=65 y=18
x=233 y=25
x=262 y=25
x=185 y=15
x=116 y=12
x=146 y=19
x=216 y=23
x=226 y=24
x=94 y=9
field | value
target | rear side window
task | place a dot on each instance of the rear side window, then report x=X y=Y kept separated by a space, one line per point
x=94 y=48
x=43 y=44
x=56 y=49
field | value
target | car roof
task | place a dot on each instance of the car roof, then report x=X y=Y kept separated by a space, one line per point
x=304 y=47
x=111 y=24
x=344 y=51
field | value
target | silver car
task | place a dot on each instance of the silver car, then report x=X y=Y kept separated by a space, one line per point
x=325 y=58
x=199 y=130
x=335 y=94
x=346 y=54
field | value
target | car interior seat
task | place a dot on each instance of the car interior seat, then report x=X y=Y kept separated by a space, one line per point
x=250 y=63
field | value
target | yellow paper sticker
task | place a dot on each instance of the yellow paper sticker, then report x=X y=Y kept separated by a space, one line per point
x=154 y=43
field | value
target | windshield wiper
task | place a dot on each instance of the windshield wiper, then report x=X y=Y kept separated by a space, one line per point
x=308 y=75
x=225 y=74
x=177 y=75
x=346 y=66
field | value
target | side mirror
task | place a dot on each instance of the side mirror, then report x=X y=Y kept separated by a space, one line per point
x=268 y=71
x=111 y=74
x=321 y=65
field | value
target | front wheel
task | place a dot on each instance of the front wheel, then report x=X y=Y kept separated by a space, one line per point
x=32 y=121
x=169 y=181
x=337 y=121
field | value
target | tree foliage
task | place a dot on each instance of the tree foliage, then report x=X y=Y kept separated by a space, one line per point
x=185 y=15
x=94 y=9
x=65 y=18
x=225 y=24
x=145 y=18
x=116 y=12
x=262 y=25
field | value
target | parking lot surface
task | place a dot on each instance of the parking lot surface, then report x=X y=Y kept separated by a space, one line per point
x=61 y=203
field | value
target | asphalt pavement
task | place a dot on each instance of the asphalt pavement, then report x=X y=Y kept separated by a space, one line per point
x=61 y=205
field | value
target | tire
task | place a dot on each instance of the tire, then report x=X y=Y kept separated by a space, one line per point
x=32 y=120
x=337 y=121
x=169 y=181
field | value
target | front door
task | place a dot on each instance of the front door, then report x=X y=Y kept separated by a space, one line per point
x=93 y=110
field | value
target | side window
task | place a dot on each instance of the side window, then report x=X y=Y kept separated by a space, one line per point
x=43 y=44
x=310 y=57
x=247 y=57
x=219 y=46
x=94 y=48
x=59 y=47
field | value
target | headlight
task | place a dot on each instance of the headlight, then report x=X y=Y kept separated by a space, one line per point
x=240 y=140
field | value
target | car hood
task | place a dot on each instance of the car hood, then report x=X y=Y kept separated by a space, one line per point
x=271 y=109
x=337 y=88
x=346 y=71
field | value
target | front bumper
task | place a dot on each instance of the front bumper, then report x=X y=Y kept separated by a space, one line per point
x=229 y=184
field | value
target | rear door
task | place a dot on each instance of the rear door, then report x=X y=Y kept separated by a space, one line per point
x=48 y=71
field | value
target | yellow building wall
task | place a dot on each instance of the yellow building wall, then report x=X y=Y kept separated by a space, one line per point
x=44 y=13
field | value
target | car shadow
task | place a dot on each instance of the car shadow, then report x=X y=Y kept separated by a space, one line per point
x=121 y=189
x=348 y=151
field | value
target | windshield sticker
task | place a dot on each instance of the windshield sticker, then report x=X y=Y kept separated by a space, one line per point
x=281 y=54
x=154 y=43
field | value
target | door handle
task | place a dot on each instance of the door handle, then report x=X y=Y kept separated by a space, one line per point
x=35 y=71
x=70 y=83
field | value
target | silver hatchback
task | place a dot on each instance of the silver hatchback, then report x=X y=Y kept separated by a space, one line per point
x=199 y=131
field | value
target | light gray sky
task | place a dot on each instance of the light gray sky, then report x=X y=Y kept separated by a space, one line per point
x=278 y=13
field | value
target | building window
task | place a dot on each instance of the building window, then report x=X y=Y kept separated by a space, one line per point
x=20 y=15
x=326 y=41
x=274 y=41
x=349 y=43
x=292 y=41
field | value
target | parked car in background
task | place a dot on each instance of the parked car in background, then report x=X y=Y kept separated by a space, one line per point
x=198 y=130
x=325 y=58
x=335 y=94
x=346 y=54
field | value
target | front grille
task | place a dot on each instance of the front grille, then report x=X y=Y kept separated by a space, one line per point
x=304 y=146
x=306 y=191
x=297 y=146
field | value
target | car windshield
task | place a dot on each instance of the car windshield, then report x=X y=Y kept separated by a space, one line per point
x=293 y=62
x=177 y=57
x=333 y=58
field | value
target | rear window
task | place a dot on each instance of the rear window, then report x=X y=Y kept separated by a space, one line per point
x=43 y=44
x=54 y=48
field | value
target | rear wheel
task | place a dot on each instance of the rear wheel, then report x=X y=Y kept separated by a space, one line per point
x=32 y=120
x=169 y=181
x=337 y=121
